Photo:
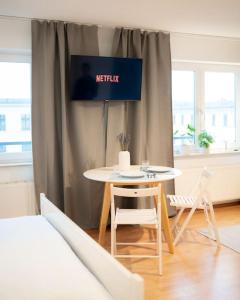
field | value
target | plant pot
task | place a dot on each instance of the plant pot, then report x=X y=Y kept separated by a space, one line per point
x=205 y=151
x=124 y=160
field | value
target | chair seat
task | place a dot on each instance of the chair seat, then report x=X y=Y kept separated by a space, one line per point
x=136 y=216
x=183 y=201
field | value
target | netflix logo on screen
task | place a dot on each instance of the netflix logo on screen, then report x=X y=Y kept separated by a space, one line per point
x=108 y=78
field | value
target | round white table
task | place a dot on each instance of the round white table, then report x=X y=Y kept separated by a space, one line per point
x=109 y=175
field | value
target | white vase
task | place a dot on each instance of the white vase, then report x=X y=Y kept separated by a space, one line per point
x=124 y=160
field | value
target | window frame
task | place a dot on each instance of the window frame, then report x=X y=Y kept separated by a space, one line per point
x=199 y=68
x=25 y=157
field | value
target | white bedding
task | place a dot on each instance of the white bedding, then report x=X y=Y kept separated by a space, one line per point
x=37 y=264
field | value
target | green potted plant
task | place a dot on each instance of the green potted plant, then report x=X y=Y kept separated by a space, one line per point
x=205 y=140
x=190 y=131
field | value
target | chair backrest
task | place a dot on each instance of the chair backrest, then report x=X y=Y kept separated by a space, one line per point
x=135 y=192
x=201 y=186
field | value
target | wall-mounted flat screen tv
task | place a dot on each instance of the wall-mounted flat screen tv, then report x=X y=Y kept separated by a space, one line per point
x=105 y=78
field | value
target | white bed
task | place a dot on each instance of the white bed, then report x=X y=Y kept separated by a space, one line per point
x=48 y=257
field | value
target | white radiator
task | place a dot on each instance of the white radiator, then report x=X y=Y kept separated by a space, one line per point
x=17 y=199
x=225 y=184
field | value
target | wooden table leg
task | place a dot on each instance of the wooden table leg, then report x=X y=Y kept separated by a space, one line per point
x=165 y=222
x=105 y=213
x=165 y=219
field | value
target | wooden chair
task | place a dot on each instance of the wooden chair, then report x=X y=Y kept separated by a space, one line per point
x=198 y=199
x=137 y=216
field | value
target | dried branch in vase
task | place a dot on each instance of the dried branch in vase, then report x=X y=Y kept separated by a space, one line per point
x=124 y=140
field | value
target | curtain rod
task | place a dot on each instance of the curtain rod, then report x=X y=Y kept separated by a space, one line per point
x=126 y=27
x=77 y=22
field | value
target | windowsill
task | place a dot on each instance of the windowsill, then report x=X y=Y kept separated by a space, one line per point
x=213 y=153
x=16 y=159
x=17 y=164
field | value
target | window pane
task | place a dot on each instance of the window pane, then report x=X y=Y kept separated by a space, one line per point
x=183 y=97
x=15 y=107
x=220 y=107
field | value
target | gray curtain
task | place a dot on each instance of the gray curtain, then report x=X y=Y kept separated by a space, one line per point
x=68 y=137
x=149 y=121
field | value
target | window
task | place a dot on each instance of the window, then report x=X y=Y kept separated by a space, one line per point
x=183 y=95
x=15 y=105
x=206 y=96
x=2 y=123
x=26 y=122
x=220 y=100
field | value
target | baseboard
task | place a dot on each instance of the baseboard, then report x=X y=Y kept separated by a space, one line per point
x=227 y=203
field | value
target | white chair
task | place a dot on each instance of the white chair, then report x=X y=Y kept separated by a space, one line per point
x=198 y=199
x=137 y=216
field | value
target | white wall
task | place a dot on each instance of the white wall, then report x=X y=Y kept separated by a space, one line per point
x=213 y=17
x=15 y=173
x=15 y=34
x=17 y=195
x=188 y=47
x=205 y=48
x=17 y=199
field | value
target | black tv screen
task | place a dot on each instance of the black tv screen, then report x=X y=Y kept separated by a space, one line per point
x=105 y=78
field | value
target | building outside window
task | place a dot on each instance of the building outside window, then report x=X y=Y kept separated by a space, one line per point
x=220 y=99
x=2 y=122
x=26 y=122
x=183 y=94
x=182 y=120
x=213 y=120
x=27 y=147
x=225 y=120
x=2 y=148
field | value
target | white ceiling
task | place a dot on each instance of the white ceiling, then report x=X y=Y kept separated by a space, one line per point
x=212 y=17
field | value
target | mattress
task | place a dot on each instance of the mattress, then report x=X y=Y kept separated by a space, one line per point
x=36 y=263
